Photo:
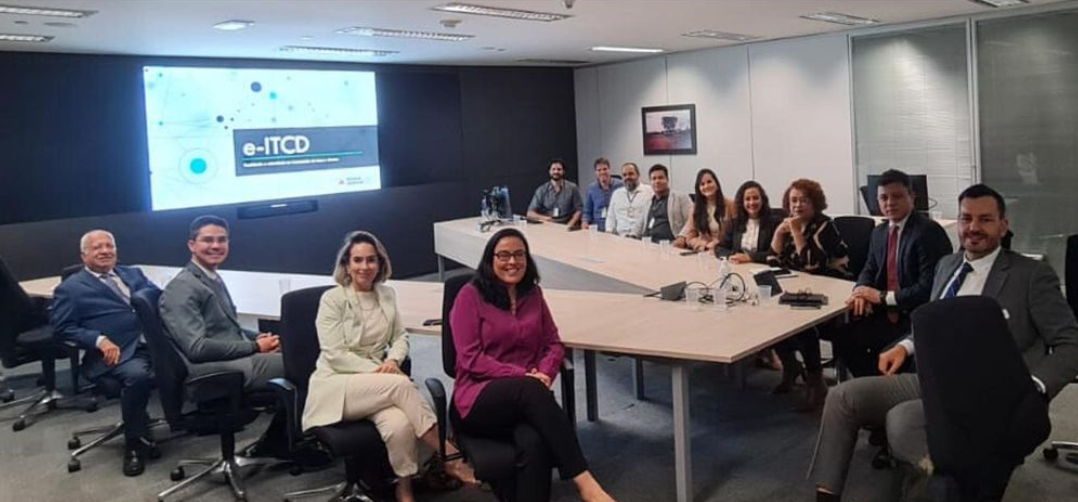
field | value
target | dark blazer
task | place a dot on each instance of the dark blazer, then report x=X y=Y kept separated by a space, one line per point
x=84 y=308
x=1038 y=317
x=920 y=246
x=731 y=239
x=202 y=320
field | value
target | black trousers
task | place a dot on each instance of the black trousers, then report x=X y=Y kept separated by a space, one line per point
x=523 y=410
x=859 y=343
x=808 y=343
x=136 y=380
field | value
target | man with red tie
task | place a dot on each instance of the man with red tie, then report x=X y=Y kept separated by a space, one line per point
x=897 y=277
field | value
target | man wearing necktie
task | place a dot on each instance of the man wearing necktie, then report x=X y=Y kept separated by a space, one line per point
x=1041 y=322
x=92 y=308
x=198 y=312
x=901 y=266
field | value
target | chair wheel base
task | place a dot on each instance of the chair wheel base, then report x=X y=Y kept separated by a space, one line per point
x=18 y=425
x=177 y=474
x=74 y=465
x=1050 y=453
x=74 y=443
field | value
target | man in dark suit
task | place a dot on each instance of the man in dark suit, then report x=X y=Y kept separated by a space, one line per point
x=201 y=318
x=92 y=308
x=897 y=277
x=1041 y=322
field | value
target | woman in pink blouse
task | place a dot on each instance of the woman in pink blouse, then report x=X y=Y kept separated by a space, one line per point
x=508 y=354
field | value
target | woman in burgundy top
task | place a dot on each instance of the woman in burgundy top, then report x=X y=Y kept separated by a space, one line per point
x=508 y=353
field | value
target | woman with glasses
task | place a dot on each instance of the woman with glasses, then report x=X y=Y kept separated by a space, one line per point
x=358 y=375
x=508 y=354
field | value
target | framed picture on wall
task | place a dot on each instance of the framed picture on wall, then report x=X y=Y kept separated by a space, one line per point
x=669 y=130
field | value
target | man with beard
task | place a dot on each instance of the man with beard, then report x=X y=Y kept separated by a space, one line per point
x=1041 y=322
x=557 y=200
x=629 y=204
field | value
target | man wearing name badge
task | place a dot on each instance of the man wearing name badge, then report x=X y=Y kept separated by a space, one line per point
x=201 y=318
x=903 y=252
x=1041 y=322
x=629 y=204
x=668 y=210
x=557 y=200
x=597 y=201
x=92 y=308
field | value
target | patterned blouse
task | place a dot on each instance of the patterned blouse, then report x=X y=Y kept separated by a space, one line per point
x=825 y=252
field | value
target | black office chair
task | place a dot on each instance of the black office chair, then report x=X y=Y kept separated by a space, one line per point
x=857 y=232
x=493 y=461
x=223 y=407
x=982 y=415
x=26 y=337
x=1070 y=275
x=358 y=442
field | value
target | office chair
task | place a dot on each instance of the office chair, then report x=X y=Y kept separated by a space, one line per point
x=494 y=461
x=223 y=406
x=357 y=442
x=1070 y=275
x=857 y=232
x=982 y=415
x=26 y=337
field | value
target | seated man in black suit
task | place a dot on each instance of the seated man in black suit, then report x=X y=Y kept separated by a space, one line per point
x=1042 y=324
x=92 y=308
x=897 y=277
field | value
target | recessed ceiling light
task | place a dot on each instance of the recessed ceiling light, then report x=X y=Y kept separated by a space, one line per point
x=720 y=35
x=1001 y=3
x=839 y=18
x=337 y=51
x=603 y=48
x=233 y=25
x=421 y=35
x=44 y=11
x=483 y=10
x=10 y=37
x=569 y=62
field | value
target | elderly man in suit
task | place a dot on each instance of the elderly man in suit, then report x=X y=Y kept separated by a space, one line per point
x=1041 y=322
x=199 y=315
x=897 y=278
x=92 y=308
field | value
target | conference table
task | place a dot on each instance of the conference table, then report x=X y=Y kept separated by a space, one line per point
x=617 y=318
x=257 y=295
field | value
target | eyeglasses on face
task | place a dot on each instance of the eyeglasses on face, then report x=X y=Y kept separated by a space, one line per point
x=505 y=256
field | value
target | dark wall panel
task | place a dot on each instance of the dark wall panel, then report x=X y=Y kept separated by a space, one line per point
x=72 y=129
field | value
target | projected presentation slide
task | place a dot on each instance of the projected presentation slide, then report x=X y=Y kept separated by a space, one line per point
x=228 y=135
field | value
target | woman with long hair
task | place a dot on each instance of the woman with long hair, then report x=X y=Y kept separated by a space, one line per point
x=710 y=213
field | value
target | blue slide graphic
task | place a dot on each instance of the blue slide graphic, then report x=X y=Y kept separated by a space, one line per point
x=229 y=135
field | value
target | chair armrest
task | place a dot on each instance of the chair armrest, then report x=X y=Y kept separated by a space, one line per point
x=288 y=398
x=437 y=393
x=568 y=389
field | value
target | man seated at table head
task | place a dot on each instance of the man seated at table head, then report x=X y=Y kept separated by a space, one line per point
x=597 y=200
x=92 y=308
x=668 y=210
x=1041 y=322
x=897 y=278
x=557 y=200
x=202 y=320
x=629 y=204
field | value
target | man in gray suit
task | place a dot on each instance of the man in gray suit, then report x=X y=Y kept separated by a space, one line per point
x=1041 y=322
x=201 y=319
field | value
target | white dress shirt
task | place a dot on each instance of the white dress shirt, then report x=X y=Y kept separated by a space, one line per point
x=751 y=237
x=628 y=210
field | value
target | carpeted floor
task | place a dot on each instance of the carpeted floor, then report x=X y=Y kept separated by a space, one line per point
x=747 y=446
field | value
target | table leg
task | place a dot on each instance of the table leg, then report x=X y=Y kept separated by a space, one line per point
x=638 y=378
x=590 y=390
x=682 y=433
x=741 y=372
x=441 y=268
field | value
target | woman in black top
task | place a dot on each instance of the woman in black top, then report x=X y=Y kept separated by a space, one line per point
x=807 y=241
x=748 y=237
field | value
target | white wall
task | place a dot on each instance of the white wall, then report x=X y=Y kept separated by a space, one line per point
x=771 y=112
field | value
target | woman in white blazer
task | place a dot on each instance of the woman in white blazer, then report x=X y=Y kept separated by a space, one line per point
x=358 y=375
